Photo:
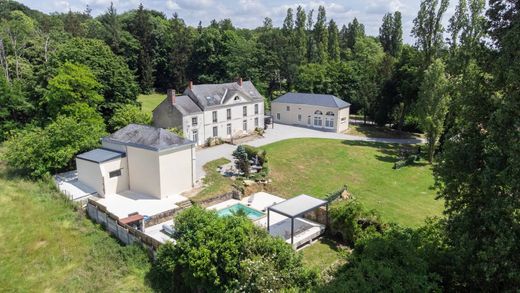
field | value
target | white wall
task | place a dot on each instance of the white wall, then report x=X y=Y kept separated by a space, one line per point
x=115 y=184
x=90 y=174
x=144 y=171
x=176 y=171
x=188 y=127
x=237 y=120
x=305 y=111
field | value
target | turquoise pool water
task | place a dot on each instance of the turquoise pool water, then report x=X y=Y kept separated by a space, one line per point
x=251 y=213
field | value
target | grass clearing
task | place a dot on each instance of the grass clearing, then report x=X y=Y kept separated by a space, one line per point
x=216 y=184
x=320 y=166
x=369 y=130
x=49 y=247
x=322 y=254
x=150 y=101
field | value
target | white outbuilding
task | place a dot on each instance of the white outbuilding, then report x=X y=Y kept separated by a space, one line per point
x=142 y=159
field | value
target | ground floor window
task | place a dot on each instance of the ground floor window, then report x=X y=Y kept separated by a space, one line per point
x=215 y=131
x=299 y=117
x=277 y=116
x=343 y=120
x=256 y=122
x=317 y=121
x=115 y=173
x=244 y=125
x=228 y=129
x=329 y=123
x=195 y=135
x=309 y=120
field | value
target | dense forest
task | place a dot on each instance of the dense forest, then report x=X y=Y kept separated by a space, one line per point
x=66 y=79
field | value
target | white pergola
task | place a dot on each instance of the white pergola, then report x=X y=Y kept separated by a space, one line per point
x=295 y=207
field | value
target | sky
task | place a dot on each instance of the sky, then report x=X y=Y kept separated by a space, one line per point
x=251 y=13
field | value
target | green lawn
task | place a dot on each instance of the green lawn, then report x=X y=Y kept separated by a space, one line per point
x=149 y=102
x=319 y=166
x=322 y=254
x=48 y=247
x=216 y=184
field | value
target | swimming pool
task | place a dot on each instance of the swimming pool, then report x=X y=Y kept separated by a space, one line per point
x=251 y=213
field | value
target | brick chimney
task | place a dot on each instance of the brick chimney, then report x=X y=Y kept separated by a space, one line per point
x=171 y=95
x=240 y=81
x=190 y=84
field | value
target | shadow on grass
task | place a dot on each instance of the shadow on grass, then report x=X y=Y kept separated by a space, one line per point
x=375 y=131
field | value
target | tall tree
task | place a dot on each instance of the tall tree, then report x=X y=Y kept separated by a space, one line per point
x=467 y=29
x=385 y=32
x=18 y=32
x=141 y=28
x=432 y=105
x=397 y=35
x=113 y=29
x=428 y=29
x=320 y=36
x=311 y=42
x=300 y=34
x=354 y=30
x=290 y=62
x=478 y=175
x=179 y=53
x=333 y=46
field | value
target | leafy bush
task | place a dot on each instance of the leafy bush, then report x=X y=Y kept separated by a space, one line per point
x=128 y=114
x=38 y=151
x=351 y=222
x=215 y=254
x=394 y=261
x=213 y=141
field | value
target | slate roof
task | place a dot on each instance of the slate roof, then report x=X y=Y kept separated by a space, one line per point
x=100 y=155
x=147 y=137
x=213 y=95
x=186 y=105
x=297 y=205
x=312 y=99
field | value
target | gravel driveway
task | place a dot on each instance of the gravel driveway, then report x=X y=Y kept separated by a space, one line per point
x=282 y=132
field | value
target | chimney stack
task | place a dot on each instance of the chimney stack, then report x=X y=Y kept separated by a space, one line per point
x=190 y=84
x=240 y=81
x=171 y=95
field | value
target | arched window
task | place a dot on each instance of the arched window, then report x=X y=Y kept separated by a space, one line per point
x=318 y=112
x=330 y=113
x=236 y=98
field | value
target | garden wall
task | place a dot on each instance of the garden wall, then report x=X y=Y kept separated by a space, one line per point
x=125 y=233
x=219 y=198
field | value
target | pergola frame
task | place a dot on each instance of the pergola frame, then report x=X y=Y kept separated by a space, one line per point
x=296 y=209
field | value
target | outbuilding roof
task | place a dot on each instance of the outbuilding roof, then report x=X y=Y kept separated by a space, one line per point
x=297 y=205
x=312 y=99
x=147 y=137
x=186 y=105
x=100 y=155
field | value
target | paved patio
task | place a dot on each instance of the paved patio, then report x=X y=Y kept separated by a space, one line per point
x=282 y=132
x=128 y=202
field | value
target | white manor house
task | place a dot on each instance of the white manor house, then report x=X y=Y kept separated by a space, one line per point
x=212 y=110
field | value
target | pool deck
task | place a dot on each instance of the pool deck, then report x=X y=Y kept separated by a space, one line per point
x=279 y=226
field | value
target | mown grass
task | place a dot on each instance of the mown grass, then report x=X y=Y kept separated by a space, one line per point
x=320 y=166
x=322 y=254
x=150 y=101
x=216 y=184
x=47 y=246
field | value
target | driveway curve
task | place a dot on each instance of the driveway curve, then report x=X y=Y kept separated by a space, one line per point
x=283 y=132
